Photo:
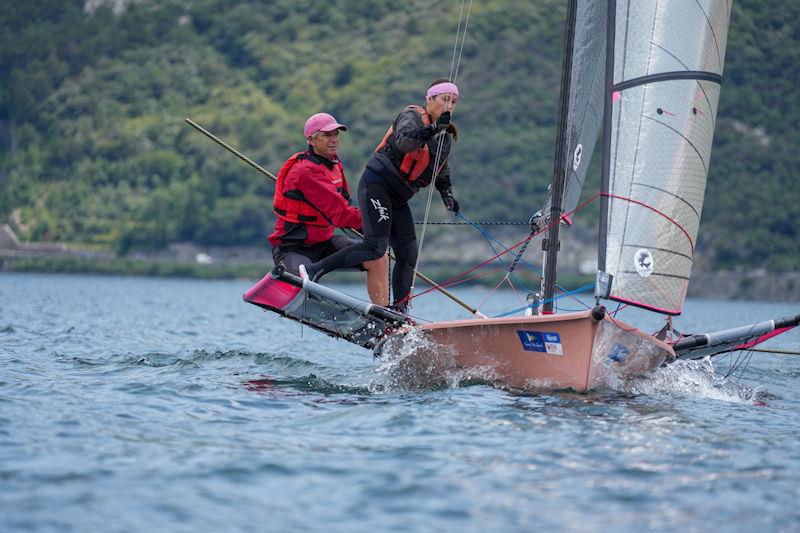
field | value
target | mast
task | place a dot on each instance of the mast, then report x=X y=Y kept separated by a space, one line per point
x=551 y=244
x=602 y=289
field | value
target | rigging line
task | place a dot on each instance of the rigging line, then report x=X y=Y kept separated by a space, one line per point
x=454 y=74
x=742 y=359
x=432 y=185
x=489 y=238
x=491 y=292
x=459 y=282
x=744 y=368
x=497 y=255
x=482 y=223
x=508 y=269
x=781 y=351
x=455 y=44
x=745 y=363
x=513 y=265
x=436 y=168
x=459 y=277
x=742 y=362
x=570 y=294
x=514 y=290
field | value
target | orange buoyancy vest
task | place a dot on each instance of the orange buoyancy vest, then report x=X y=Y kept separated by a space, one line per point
x=414 y=163
x=292 y=205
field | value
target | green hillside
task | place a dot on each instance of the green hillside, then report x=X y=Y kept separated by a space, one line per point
x=94 y=150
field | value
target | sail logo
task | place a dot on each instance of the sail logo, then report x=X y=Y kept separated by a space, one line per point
x=383 y=213
x=576 y=157
x=541 y=341
x=643 y=262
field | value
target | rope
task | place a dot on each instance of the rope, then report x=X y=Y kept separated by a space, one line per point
x=781 y=351
x=566 y=294
x=489 y=240
x=514 y=263
x=490 y=223
x=454 y=66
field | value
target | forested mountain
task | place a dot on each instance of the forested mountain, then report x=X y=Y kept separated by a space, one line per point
x=94 y=150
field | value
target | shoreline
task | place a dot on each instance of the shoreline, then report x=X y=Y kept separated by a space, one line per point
x=187 y=260
x=724 y=285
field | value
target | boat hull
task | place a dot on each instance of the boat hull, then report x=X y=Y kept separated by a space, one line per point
x=578 y=351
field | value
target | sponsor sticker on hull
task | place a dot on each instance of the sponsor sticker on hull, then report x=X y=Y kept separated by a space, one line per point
x=541 y=341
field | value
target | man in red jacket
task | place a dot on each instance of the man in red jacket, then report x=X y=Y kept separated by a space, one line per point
x=312 y=198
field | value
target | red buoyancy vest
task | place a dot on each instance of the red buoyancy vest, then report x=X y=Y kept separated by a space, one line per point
x=291 y=205
x=413 y=164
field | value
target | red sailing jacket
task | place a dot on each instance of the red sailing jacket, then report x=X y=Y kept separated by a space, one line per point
x=311 y=199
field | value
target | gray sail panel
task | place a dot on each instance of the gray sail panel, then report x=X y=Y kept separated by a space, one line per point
x=585 y=116
x=661 y=136
x=681 y=35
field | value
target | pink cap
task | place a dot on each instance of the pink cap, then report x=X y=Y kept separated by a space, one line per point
x=321 y=122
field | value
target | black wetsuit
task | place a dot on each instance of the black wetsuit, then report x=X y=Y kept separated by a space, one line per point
x=383 y=196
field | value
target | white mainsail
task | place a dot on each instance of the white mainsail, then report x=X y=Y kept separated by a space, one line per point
x=668 y=60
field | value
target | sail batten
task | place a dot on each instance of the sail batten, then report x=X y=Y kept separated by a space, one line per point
x=667 y=76
x=672 y=194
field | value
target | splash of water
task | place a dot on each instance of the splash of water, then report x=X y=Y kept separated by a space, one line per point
x=413 y=362
x=696 y=379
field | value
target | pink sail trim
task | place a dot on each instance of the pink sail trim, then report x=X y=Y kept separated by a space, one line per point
x=762 y=338
x=645 y=306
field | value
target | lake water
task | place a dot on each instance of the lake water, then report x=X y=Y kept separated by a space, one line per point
x=131 y=404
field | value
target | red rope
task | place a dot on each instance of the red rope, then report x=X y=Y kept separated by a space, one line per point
x=460 y=278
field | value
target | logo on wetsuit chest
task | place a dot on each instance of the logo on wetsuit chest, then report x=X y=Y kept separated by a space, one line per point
x=383 y=213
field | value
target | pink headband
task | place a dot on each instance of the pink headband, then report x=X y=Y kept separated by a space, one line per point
x=442 y=88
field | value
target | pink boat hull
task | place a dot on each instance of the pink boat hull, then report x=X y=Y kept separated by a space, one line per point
x=565 y=351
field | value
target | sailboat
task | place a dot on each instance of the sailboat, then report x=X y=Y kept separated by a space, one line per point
x=643 y=78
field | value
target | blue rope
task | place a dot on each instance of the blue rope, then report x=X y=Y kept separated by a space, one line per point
x=488 y=238
x=570 y=293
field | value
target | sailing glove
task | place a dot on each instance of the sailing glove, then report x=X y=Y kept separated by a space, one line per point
x=442 y=123
x=449 y=201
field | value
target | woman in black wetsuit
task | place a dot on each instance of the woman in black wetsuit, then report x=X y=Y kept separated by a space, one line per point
x=401 y=165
